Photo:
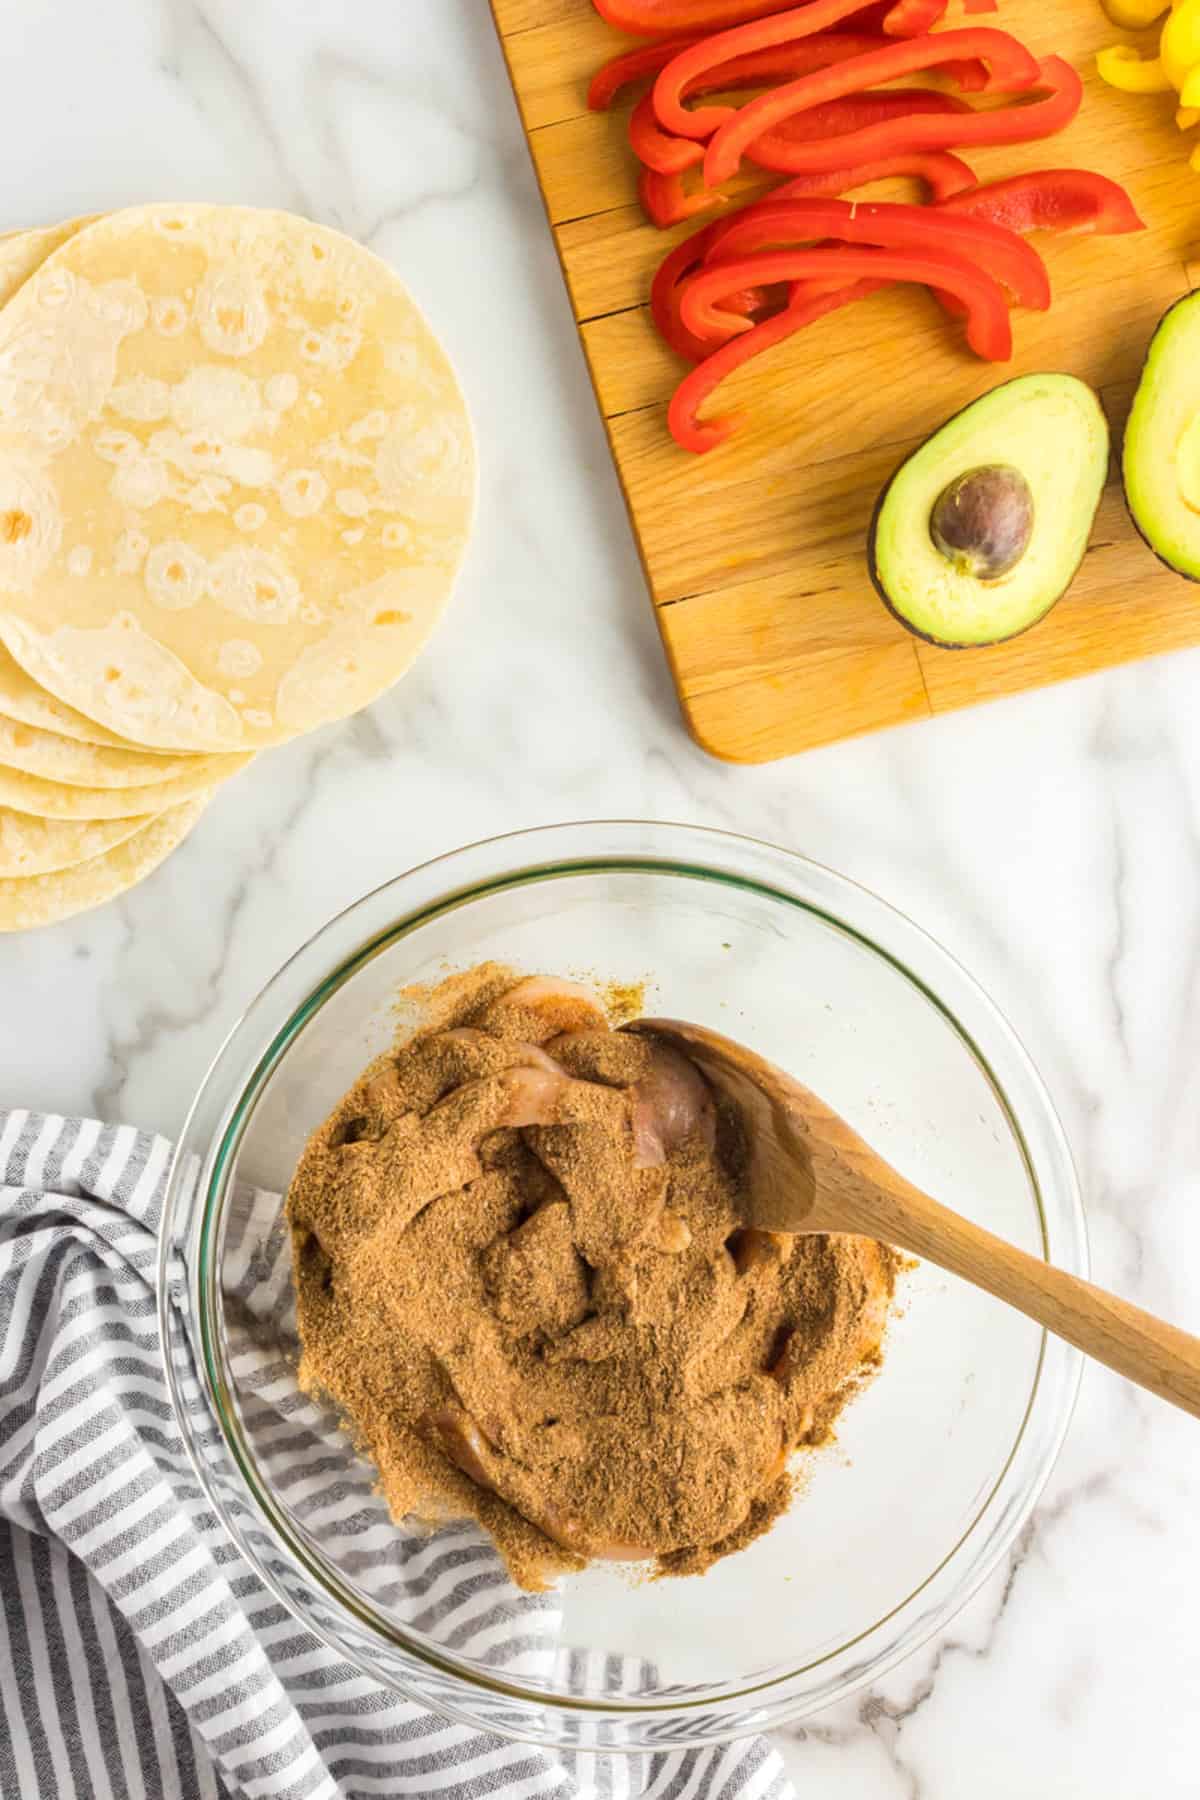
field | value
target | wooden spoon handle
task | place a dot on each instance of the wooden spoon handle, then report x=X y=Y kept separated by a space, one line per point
x=1156 y=1355
x=807 y=1169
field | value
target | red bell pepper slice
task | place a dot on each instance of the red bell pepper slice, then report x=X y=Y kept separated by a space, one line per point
x=1012 y=70
x=631 y=66
x=1000 y=253
x=666 y=201
x=760 y=67
x=1003 y=125
x=670 y=155
x=687 y=256
x=659 y=150
x=651 y=18
x=667 y=286
x=989 y=332
x=1061 y=200
x=797 y=58
x=944 y=175
x=1065 y=201
x=807 y=305
x=696 y=387
x=909 y=18
x=838 y=118
x=876 y=16
x=686 y=71
x=912 y=18
x=664 y=293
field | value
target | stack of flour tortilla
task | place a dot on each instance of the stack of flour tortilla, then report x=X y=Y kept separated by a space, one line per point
x=236 y=482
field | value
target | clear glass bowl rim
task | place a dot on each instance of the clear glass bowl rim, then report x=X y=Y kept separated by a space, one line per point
x=255 y=1047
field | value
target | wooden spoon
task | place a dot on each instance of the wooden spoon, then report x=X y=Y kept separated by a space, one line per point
x=809 y=1171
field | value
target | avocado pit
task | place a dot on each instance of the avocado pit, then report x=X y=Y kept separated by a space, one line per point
x=983 y=521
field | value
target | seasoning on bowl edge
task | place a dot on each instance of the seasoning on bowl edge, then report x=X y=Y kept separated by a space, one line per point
x=521 y=1274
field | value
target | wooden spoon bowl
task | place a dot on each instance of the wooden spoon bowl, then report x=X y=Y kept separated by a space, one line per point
x=809 y=1171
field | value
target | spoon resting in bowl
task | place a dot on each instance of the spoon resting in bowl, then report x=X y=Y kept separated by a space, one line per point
x=807 y=1170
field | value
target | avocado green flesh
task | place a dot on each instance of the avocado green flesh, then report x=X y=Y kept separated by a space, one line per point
x=1162 y=465
x=1051 y=428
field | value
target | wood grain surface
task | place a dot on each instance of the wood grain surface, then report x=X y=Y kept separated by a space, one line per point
x=755 y=553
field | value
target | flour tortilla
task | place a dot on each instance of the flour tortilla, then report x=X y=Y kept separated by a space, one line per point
x=22 y=253
x=23 y=700
x=44 y=899
x=275 y=459
x=56 y=800
x=31 y=846
x=57 y=758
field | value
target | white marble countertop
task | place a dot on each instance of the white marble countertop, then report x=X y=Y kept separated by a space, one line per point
x=1052 y=842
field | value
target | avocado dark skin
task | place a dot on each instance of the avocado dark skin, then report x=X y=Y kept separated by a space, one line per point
x=1156 y=554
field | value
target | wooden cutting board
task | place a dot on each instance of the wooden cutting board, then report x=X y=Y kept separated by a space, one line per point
x=755 y=553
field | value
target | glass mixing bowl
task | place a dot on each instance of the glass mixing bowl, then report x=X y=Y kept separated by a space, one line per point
x=936 y=1466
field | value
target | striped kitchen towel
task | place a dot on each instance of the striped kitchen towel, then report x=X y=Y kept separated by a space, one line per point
x=146 y=1658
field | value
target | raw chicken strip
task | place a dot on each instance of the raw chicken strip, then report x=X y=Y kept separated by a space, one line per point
x=671 y=1101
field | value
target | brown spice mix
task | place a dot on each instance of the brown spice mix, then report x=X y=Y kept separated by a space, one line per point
x=524 y=1326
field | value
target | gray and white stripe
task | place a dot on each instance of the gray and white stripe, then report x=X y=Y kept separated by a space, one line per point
x=148 y=1661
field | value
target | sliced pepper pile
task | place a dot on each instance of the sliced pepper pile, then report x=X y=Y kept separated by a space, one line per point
x=800 y=92
x=1176 y=68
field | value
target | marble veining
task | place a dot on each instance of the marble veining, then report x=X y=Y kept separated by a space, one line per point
x=1052 y=842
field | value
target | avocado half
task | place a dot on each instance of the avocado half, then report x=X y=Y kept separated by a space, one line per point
x=1161 y=463
x=1049 y=430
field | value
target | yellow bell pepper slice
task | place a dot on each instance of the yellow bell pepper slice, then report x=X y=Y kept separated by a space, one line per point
x=1187 y=117
x=1122 y=67
x=1179 y=46
x=1136 y=15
